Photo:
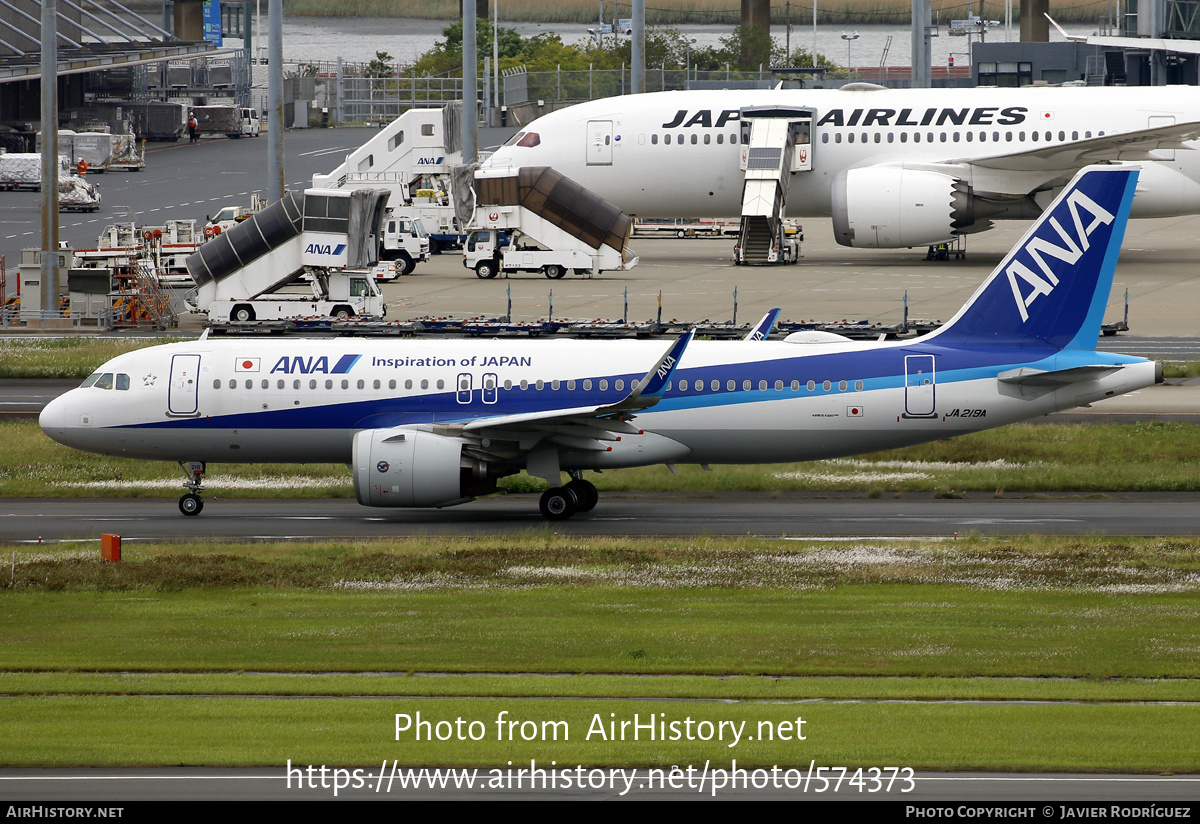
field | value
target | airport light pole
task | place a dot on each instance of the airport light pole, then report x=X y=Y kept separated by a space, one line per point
x=849 y=38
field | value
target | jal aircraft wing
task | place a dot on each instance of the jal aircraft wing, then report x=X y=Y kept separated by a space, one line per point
x=1018 y=173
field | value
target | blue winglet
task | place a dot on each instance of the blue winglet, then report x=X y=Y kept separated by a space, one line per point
x=655 y=382
x=1052 y=288
x=764 y=326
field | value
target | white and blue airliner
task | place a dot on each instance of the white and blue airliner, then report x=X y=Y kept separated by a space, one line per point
x=432 y=423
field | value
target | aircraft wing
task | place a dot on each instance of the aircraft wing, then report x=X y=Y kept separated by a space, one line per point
x=1019 y=173
x=584 y=427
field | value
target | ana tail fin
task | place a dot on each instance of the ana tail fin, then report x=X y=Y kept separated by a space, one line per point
x=1052 y=288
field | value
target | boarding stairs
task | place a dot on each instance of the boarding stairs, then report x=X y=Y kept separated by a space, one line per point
x=322 y=228
x=539 y=204
x=775 y=144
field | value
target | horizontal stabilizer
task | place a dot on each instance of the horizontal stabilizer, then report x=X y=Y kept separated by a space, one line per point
x=1058 y=377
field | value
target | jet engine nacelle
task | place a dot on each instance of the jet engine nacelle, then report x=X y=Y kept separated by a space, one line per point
x=890 y=207
x=408 y=467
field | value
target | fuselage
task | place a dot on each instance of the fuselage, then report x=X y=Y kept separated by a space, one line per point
x=728 y=402
x=676 y=154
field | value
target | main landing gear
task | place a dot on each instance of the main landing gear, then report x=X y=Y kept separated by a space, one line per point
x=561 y=502
x=191 y=503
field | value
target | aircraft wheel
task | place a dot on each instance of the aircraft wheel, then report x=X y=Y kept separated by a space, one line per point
x=585 y=493
x=190 y=504
x=554 y=271
x=558 y=503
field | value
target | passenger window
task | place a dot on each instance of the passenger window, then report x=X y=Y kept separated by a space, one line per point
x=693 y=140
x=841 y=386
x=850 y=137
x=891 y=137
x=858 y=386
x=720 y=139
x=346 y=384
x=376 y=384
x=571 y=386
x=540 y=384
x=425 y=383
x=619 y=385
x=233 y=384
x=762 y=385
x=279 y=384
x=653 y=140
x=903 y=137
x=266 y=384
x=812 y=386
x=312 y=384
x=587 y=384
x=878 y=138
x=249 y=383
x=105 y=381
x=554 y=385
x=441 y=384
x=730 y=386
x=363 y=384
x=217 y=383
x=328 y=384
x=1034 y=135
x=970 y=136
x=778 y=386
x=916 y=137
x=508 y=384
x=795 y=386
x=699 y=385
x=715 y=385
x=746 y=386
x=707 y=139
x=295 y=384
x=603 y=385
x=667 y=139
x=954 y=135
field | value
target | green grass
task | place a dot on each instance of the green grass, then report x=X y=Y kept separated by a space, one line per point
x=74 y=357
x=905 y=653
x=1017 y=459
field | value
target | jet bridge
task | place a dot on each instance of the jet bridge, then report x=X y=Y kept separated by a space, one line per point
x=320 y=230
x=776 y=143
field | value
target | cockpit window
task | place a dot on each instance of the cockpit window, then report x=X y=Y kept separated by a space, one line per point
x=512 y=141
x=105 y=381
x=122 y=382
x=530 y=140
x=92 y=378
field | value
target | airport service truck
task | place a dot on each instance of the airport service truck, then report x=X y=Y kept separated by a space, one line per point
x=405 y=242
x=340 y=294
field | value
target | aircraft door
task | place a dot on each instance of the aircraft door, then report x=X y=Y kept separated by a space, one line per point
x=1157 y=122
x=465 y=385
x=183 y=392
x=599 y=143
x=919 y=386
x=490 y=382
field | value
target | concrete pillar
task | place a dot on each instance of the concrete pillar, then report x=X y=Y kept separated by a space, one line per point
x=922 y=20
x=757 y=13
x=1035 y=28
x=481 y=9
x=189 y=20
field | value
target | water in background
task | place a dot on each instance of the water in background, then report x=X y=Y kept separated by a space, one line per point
x=311 y=39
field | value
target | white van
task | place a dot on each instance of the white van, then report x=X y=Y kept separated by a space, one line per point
x=250 y=123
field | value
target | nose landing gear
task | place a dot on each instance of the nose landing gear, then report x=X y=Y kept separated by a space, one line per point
x=191 y=503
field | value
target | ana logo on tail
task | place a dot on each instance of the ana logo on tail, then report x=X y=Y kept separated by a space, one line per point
x=1074 y=246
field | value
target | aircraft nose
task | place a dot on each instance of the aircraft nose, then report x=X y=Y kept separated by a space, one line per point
x=54 y=416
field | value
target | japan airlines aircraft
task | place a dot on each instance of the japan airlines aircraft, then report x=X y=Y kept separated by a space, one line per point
x=433 y=423
x=893 y=167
